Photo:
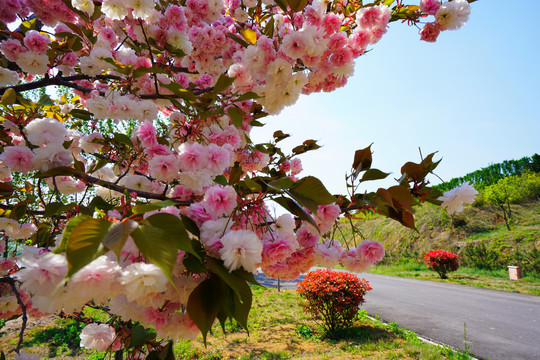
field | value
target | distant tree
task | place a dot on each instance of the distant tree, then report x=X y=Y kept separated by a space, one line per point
x=491 y=174
x=513 y=190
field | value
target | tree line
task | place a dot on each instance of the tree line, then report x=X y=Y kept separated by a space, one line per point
x=493 y=173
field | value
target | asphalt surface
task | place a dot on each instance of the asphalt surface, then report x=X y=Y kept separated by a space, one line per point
x=498 y=325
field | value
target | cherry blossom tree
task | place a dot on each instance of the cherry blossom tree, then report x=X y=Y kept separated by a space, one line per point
x=129 y=181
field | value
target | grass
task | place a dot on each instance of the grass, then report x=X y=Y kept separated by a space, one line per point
x=278 y=329
x=489 y=279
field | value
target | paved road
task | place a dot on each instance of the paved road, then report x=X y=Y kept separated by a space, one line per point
x=499 y=325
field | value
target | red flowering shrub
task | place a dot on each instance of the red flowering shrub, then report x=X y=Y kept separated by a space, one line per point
x=334 y=296
x=442 y=262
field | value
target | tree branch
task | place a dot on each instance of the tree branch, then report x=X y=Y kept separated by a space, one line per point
x=59 y=80
x=67 y=81
x=11 y=282
x=121 y=189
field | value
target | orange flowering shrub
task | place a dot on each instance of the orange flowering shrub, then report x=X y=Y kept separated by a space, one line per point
x=334 y=296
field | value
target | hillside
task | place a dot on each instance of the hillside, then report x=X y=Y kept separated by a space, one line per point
x=478 y=234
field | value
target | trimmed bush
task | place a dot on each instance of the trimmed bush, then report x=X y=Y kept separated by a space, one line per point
x=335 y=297
x=442 y=262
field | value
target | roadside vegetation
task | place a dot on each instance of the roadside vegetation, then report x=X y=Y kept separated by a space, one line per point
x=500 y=229
x=278 y=329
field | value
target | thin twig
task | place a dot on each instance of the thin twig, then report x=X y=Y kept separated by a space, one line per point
x=11 y=282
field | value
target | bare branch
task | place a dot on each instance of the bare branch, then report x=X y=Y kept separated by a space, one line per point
x=121 y=189
x=11 y=282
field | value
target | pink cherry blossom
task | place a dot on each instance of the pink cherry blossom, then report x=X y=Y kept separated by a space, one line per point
x=18 y=158
x=146 y=133
x=430 y=6
x=370 y=251
x=430 y=32
x=241 y=248
x=37 y=42
x=164 y=167
x=220 y=200
x=97 y=337
x=306 y=237
x=192 y=157
x=276 y=250
x=328 y=213
x=219 y=158
x=12 y=48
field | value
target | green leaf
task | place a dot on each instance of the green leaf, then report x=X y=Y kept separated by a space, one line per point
x=233 y=279
x=247 y=96
x=283 y=183
x=140 y=336
x=56 y=208
x=123 y=139
x=374 y=174
x=167 y=353
x=179 y=91
x=282 y=4
x=242 y=298
x=237 y=39
x=81 y=114
x=297 y=5
x=6 y=190
x=236 y=115
x=24 y=102
x=98 y=203
x=143 y=208
x=203 y=305
x=174 y=227
x=45 y=100
x=269 y=28
x=222 y=180
x=9 y=97
x=100 y=163
x=253 y=186
x=18 y=211
x=138 y=72
x=223 y=83
x=190 y=225
x=310 y=192
x=292 y=206
x=57 y=171
x=117 y=235
x=193 y=265
x=83 y=243
x=175 y=51
x=236 y=173
x=156 y=246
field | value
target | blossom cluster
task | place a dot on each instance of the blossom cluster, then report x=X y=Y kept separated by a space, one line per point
x=181 y=84
x=450 y=15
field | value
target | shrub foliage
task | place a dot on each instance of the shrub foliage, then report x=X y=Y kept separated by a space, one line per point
x=442 y=262
x=333 y=296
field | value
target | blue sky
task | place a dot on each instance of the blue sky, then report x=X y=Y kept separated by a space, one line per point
x=472 y=96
